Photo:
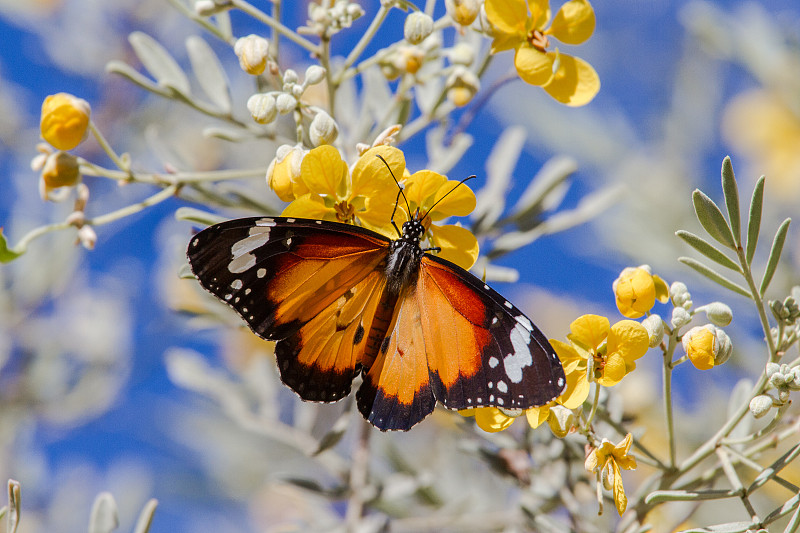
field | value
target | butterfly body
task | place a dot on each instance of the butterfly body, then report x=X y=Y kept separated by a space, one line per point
x=342 y=300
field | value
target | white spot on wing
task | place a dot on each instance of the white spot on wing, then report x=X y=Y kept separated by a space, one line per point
x=242 y=263
x=259 y=235
x=265 y=222
x=236 y=284
x=560 y=382
x=289 y=220
x=493 y=362
x=515 y=362
x=522 y=319
x=508 y=304
x=502 y=386
x=261 y=272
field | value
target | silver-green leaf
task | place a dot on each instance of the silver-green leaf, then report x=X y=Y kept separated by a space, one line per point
x=754 y=219
x=714 y=276
x=159 y=62
x=731 y=192
x=711 y=219
x=104 y=517
x=146 y=517
x=707 y=249
x=209 y=73
x=774 y=255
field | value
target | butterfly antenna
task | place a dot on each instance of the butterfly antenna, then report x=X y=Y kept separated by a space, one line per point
x=448 y=192
x=399 y=193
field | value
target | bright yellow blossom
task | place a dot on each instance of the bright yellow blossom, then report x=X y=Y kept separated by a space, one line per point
x=438 y=198
x=366 y=197
x=611 y=351
x=606 y=461
x=283 y=174
x=707 y=346
x=636 y=291
x=64 y=120
x=522 y=26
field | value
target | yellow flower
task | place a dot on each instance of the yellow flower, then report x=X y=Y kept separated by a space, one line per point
x=366 y=197
x=762 y=126
x=492 y=419
x=707 y=346
x=636 y=291
x=463 y=12
x=438 y=198
x=609 y=352
x=65 y=120
x=606 y=461
x=522 y=25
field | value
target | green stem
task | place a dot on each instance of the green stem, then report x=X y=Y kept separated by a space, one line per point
x=159 y=197
x=179 y=178
x=325 y=62
x=101 y=140
x=595 y=401
x=667 y=368
x=759 y=301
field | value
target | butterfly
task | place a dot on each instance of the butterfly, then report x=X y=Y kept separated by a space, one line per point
x=342 y=300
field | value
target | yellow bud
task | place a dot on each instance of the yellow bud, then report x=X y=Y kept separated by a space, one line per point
x=635 y=291
x=283 y=174
x=707 y=346
x=61 y=169
x=253 y=52
x=462 y=84
x=65 y=120
x=464 y=12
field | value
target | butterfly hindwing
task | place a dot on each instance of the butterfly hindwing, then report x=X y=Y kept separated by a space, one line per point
x=304 y=283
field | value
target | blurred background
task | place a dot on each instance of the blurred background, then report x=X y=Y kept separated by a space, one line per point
x=109 y=381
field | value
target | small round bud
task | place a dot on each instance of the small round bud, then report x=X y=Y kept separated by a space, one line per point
x=462 y=84
x=464 y=12
x=560 y=420
x=323 y=129
x=87 y=237
x=718 y=313
x=60 y=169
x=205 y=8
x=253 y=52
x=262 y=108
x=65 y=120
x=417 y=27
x=314 y=75
x=760 y=405
x=290 y=76
x=707 y=346
x=285 y=103
x=679 y=294
x=655 y=329
x=680 y=317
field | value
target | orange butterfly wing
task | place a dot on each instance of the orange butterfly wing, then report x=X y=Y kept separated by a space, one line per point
x=459 y=342
x=290 y=284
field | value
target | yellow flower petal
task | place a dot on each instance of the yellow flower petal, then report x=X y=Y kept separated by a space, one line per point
x=613 y=371
x=537 y=415
x=533 y=66
x=575 y=83
x=505 y=41
x=577 y=389
x=629 y=339
x=453 y=199
x=662 y=289
x=508 y=16
x=492 y=420
x=635 y=292
x=422 y=186
x=540 y=14
x=324 y=172
x=700 y=348
x=589 y=330
x=370 y=175
x=458 y=245
x=574 y=23
x=377 y=216
x=620 y=500
x=309 y=206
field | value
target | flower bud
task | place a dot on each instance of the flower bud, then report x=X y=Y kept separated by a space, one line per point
x=655 y=329
x=314 y=75
x=560 y=420
x=464 y=12
x=636 y=290
x=290 y=77
x=718 y=313
x=323 y=129
x=417 y=27
x=462 y=84
x=65 y=120
x=707 y=346
x=283 y=174
x=285 y=103
x=206 y=8
x=680 y=317
x=760 y=405
x=262 y=107
x=60 y=169
x=253 y=53
x=680 y=295
x=87 y=237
